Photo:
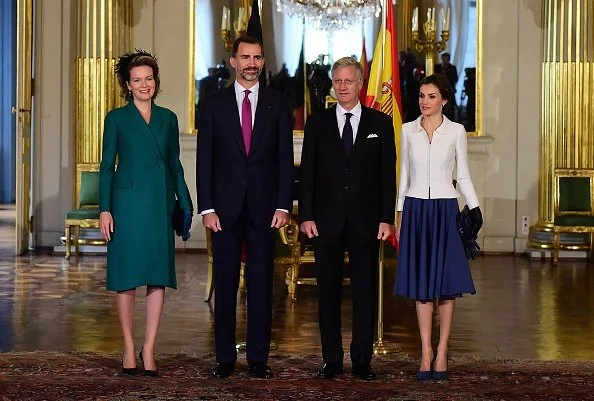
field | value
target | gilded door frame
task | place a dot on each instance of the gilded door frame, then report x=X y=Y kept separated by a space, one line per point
x=478 y=115
x=191 y=78
x=23 y=123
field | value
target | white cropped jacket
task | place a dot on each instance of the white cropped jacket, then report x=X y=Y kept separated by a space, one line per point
x=426 y=169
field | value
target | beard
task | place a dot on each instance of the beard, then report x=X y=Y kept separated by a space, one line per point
x=251 y=74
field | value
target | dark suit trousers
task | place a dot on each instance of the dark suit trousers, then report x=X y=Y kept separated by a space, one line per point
x=363 y=262
x=258 y=275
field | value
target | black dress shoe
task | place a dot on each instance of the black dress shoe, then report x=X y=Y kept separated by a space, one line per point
x=149 y=373
x=260 y=370
x=128 y=371
x=329 y=370
x=223 y=370
x=363 y=372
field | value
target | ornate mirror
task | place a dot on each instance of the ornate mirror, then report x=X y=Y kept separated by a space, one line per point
x=295 y=37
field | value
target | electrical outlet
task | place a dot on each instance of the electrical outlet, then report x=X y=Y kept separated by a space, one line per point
x=525 y=225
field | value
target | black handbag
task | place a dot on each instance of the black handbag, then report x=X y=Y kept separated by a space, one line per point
x=469 y=222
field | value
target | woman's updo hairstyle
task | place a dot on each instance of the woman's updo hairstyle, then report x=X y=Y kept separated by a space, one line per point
x=135 y=59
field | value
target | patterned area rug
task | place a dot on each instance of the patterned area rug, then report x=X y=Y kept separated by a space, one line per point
x=86 y=376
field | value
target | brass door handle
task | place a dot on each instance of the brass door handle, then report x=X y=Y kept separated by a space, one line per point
x=14 y=110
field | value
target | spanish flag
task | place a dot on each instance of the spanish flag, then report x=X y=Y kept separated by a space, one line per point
x=383 y=92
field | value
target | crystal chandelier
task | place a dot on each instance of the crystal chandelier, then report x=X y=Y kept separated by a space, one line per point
x=330 y=15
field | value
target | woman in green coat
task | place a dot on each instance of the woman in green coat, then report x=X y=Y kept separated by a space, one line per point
x=137 y=200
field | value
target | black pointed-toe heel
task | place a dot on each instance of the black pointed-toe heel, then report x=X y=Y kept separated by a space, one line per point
x=149 y=373
x=128 y=371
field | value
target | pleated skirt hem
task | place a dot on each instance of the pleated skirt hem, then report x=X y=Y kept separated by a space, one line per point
x=431 y=259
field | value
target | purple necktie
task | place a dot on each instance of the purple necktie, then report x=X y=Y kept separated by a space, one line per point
x=246 y=121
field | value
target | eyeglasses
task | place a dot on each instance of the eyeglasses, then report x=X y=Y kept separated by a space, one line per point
x=347 y=82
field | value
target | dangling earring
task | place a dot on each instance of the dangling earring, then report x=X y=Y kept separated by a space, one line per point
x=130 y=94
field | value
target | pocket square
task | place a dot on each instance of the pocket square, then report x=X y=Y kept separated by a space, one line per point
x=371 y=136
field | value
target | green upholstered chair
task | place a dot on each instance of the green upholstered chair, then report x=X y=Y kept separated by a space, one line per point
x=86 y=214
x=574 y=209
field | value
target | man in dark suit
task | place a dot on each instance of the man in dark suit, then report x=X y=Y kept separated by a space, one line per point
x=451 y=72
x=244 y=168
x=348 y=199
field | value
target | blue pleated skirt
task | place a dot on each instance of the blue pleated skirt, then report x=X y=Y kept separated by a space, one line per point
x=431 y=259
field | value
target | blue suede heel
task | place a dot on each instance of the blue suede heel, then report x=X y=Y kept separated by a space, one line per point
x=440 y=375
x=445 y=375
x=423 y=375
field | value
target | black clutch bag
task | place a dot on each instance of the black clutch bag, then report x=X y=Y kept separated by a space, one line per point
x=469 y=223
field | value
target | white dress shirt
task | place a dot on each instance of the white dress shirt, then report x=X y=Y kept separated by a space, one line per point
x=426 y=169
x=239 y=96
x=355 y=118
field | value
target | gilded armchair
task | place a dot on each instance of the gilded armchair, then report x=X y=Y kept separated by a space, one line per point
x=574 y=209
x=301 y=253
x=86 y=214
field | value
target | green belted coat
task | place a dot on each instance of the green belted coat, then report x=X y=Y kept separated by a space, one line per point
x=140 y=193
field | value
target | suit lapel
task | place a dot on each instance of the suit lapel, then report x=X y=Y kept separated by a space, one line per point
x=155 y=124
x=157 y=118
x=234 y=119
x=334 y=131
x=146 y=132
x=263 y=109
x=361 y=131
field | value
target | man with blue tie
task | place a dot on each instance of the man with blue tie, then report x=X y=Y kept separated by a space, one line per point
x=348 y=202
x=244 y=177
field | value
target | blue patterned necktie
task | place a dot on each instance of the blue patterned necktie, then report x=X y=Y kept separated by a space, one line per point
x=347 y=134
